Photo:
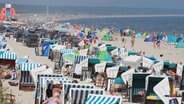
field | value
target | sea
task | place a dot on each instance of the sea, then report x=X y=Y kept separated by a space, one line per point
x=168 y=24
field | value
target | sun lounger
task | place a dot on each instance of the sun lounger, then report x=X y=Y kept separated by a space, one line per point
x=79 y=95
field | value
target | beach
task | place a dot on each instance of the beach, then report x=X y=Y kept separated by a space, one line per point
x=168 y=51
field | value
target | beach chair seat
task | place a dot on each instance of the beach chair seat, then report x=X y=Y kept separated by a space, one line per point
x=103 y=99
x=79 y=95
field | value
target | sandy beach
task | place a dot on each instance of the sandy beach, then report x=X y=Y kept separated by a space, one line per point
x=169 y=52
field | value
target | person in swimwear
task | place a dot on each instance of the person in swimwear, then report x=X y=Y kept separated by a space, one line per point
x=55 y=99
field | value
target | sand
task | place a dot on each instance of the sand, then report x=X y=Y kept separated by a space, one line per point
x=169 y=52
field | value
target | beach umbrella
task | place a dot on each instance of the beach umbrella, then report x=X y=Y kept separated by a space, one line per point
x=145 y=34
x=104 y=56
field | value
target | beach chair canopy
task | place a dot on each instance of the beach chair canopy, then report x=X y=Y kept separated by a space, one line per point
x=79 y=95
x=158 y=67
x=9 y=56
x=146 y=62
x=29 y=66
x=100 y=67
x=133 y=61
x=68 y=86
x=112 y=72
x=103 y=99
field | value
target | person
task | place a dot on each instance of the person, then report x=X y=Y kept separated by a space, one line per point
x=55 y=99
x=158 y=41
x=154 y=40
x=132 y=40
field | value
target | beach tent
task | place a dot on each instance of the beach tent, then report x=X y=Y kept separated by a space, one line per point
x=180 y=44
x=104 y=56
x=148 y=39
x=139 y=35
x=26 y=82
x=172 y=38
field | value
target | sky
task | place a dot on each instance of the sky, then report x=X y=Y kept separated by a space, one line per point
x=178 y=4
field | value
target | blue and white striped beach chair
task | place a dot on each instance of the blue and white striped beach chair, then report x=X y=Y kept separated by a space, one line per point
x=103 y=99
x=44 y=80
x=67 y=86
x=79 y=95
x=26 y=81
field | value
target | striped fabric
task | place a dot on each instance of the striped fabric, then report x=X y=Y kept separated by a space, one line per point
x=63 y=50
x=103 y=99
x=26 y=77
x=67 y=86
x=79 y=95
x=28 y=66
x=79 y=58
x=10 y=56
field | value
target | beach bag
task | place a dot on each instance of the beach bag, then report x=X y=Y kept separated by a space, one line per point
x=173 y=101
